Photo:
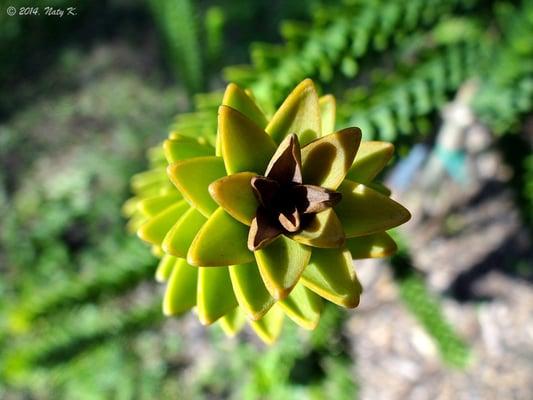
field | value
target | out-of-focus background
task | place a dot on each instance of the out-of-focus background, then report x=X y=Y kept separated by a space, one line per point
x=83 y=96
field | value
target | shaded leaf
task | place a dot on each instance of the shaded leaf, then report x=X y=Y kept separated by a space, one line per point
x=164 y=268
x=154 y=230
x=232 y=322
x=281 y=263
x=250 y=290
x=330 y=274
x=303 y=307
x=214 y=295
x=371 y=246
x=326 y=161
x=269 y=327
x=324 y=230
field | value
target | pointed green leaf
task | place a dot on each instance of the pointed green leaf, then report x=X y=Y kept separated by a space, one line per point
x=222 y=240
x=379 y=187
x=232 y=322
x=237 y=99
x=153 y=205
x=326 y=161
x=370 y=159
x=181 y=291
x=154 y=230
x=330 y=274
x=178 y=240
x=215 y=294
x=185 y=148
x=164 y=268
x=148 y=180
x=299 y=114
x=303 y=307
x=245 y=146
x=250 y=290
x=235 y=195
x=192 y=178
x=281 y=263
x=324 y=230
x=269 y=327
x=364 y=211
x=328 y=109
x=371 y=246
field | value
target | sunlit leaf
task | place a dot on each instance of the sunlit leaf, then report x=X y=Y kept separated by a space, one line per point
x=370 y=159
x=328 y=110
x=155 y=229
x=324 y=230
x=165 y=267
x=371 y=246
x=178 y=240
x=184 y=148
x=192 y=178
x=222 y=240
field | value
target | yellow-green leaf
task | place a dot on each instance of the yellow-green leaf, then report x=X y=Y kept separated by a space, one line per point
x=164 y=268
x=371 y=246
x=222 y=240
x=281 y=263
x=324 y=230
x=214 y=296
x=178 y=240
x=299 y=114
x=184 y=148
x=328 y=109
x=364 y=211
x=370 y=159
x=154 y=230
x=330 y=274
x=237 y=99
x=245 y=146
x=234 y=194
x=153 y=205
x=232 y=322
x=326 y=161
x=269 y=327
x=192 y=178
x=181 y=291
x=250 y=290
x=303 y=307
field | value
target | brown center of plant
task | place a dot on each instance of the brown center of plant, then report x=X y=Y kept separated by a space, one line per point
x=286 y=205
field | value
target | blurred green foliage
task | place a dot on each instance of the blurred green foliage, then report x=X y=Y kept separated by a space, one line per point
x=80 y=317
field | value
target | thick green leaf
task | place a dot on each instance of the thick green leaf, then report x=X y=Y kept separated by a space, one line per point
x=326 y=161
x=154 y=230
x=330 y=274
x=281 y=263
x=232 y=322
x=245 y=146
x=269 y=327
x=237 y=99
x=371 y=246
x=165 y=268
x=153 y=205
x=178 y=240
x=215 y=294
x=328 y=109
x=185 y=148
x=181 y=291
x=299 y=114
x=222 y=240
x=148 y=180
x=235 y=195
x=192 y=178
x=364 y=211
x=303 y=307
x=324 y=230
x=250 y=290
x=370 y=159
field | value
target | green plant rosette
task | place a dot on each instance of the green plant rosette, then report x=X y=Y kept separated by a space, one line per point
x=199 y=209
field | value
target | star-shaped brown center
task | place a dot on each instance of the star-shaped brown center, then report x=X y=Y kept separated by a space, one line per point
x=286 y=205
